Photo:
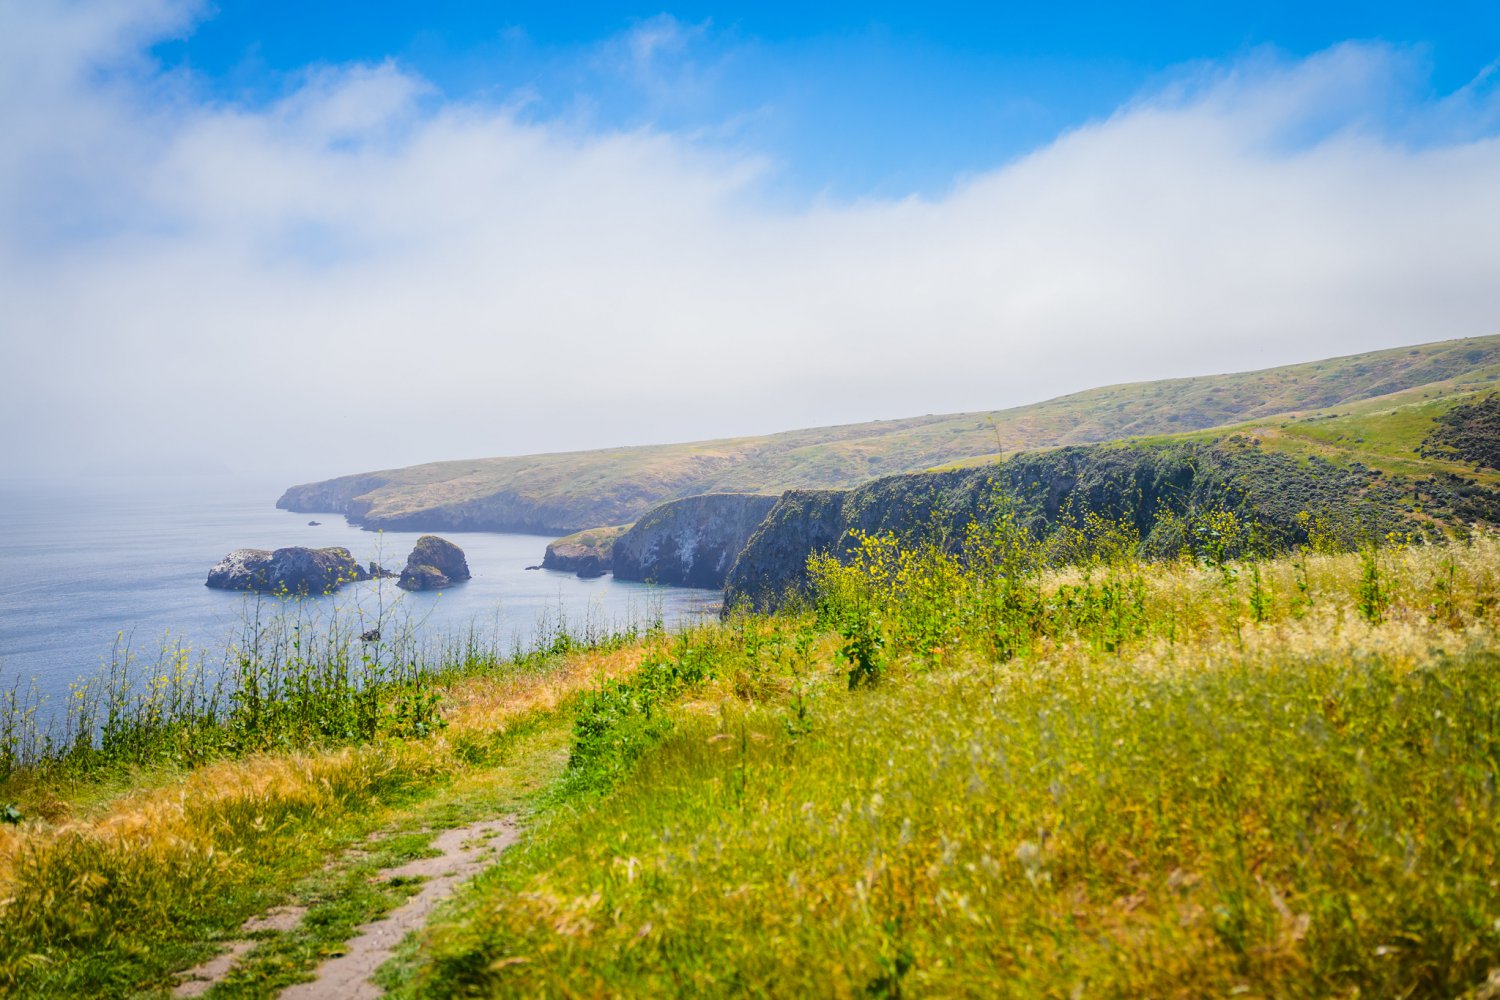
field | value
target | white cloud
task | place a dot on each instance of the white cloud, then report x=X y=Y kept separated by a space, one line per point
x=363 y=274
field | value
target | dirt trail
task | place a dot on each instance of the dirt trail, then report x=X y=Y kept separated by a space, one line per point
x=465 y=851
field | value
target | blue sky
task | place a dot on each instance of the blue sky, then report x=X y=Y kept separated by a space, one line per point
x=850 y=100
x=307 y=239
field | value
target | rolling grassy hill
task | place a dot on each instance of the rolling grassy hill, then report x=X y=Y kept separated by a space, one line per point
x=559 y=493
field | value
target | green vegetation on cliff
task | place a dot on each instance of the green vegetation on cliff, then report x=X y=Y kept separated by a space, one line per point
x=590 y=552
x=1379 y=467
x=553 y=494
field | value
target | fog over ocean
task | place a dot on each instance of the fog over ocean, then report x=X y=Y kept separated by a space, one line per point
x=83 y=561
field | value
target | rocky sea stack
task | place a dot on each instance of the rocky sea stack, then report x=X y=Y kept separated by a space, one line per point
x=435 y=563
x=292 y=570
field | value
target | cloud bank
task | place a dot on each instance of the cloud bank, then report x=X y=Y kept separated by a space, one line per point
x=365 y=273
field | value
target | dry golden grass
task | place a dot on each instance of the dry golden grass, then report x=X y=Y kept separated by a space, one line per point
x=490 y=702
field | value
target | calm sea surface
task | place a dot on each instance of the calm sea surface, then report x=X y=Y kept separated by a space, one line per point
x=83 y=562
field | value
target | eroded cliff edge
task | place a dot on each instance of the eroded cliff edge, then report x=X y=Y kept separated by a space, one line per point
x=690 y=542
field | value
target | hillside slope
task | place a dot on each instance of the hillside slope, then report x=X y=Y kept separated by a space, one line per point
x=559 y=493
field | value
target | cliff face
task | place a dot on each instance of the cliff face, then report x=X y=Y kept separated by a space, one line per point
x=691 y=542
x=1137 y=483
x=332 y=496
x=772 y=563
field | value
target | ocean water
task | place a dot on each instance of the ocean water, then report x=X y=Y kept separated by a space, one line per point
x=90 y=563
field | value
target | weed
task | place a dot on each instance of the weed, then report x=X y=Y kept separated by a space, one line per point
x=1373 y=597
x=1260 y=598
x=863 y=650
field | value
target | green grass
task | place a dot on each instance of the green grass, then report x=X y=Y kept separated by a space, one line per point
x=601 y=540
x=338 y=901
x=1384 y=433
x=113 y=907
x=341 y=897
x=1184 y=779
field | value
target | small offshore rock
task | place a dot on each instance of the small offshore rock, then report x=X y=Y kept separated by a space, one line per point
x=533 y=567
x=435 y=563
x=314 y=524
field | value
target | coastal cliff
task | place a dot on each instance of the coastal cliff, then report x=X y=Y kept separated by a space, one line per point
x=555 y=494
x=690 y=542
x=1156 y=489
x=376 y=503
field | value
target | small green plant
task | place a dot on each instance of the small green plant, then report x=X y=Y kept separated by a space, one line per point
x=1372 y=597
x=1260 y=597
x=1302 y=590
x=1444 y=607
x=863 y=650
x=799 y=721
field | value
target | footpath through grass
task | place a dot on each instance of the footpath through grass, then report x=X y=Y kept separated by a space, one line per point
x=1261 y=779
x=119 y=876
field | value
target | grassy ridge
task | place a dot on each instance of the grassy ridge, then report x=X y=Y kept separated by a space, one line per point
x=565 y=492
x=1387 y=433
